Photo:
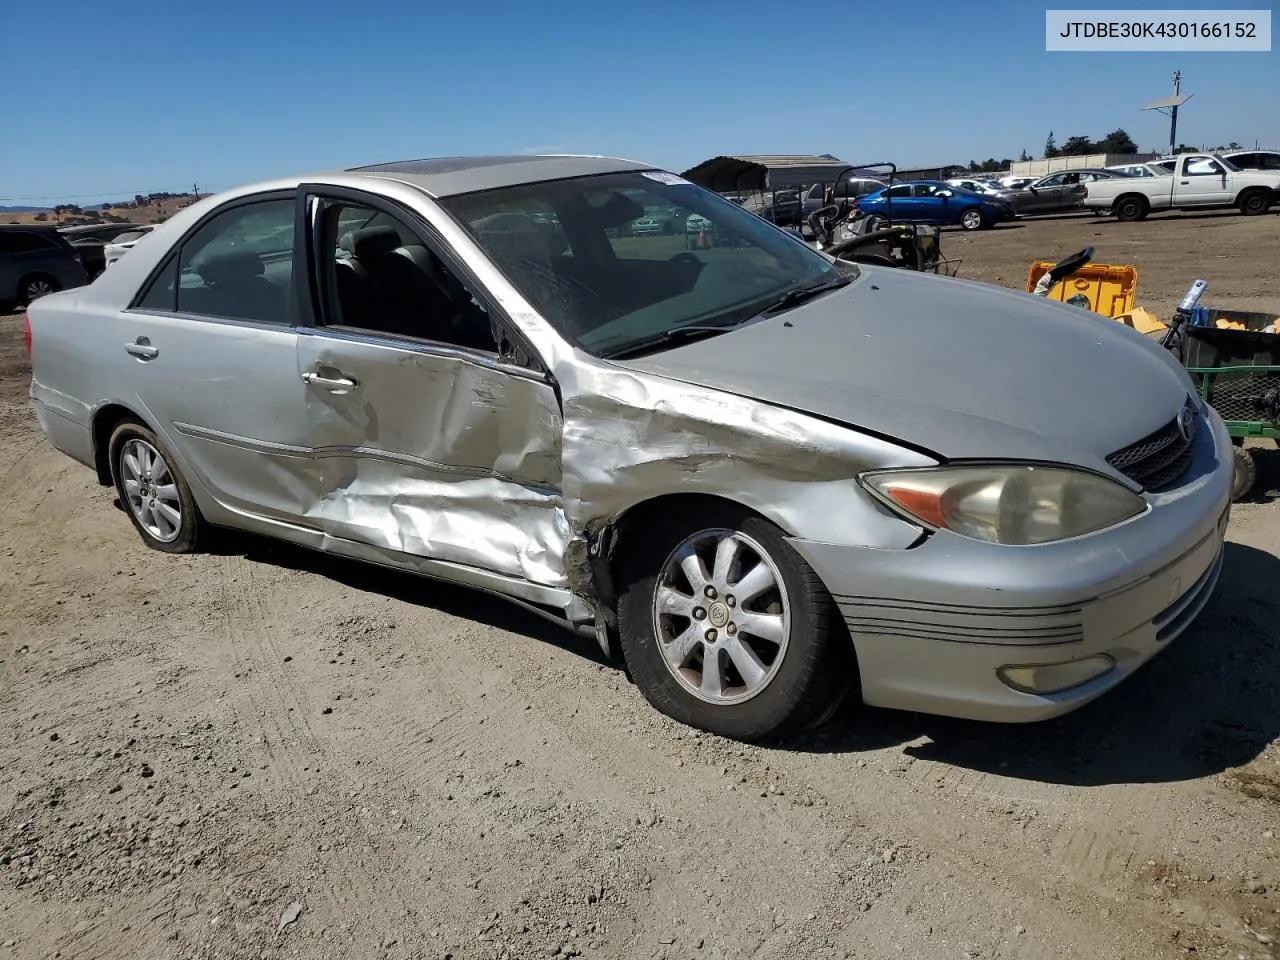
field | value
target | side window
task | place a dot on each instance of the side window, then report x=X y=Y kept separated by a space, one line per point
x=238 y=265
x=1269 y=161
x=1057 y=180
x=1202 y=167
x=23 y=241
x=162 y=294
x=1246 y=161
x=899 y=193
x=379 y=275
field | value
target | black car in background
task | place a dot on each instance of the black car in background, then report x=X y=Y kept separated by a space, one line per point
x=37 y=260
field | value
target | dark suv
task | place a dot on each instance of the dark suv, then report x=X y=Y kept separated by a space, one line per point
x=34 y=261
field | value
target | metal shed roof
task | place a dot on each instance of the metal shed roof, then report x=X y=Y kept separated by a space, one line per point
x=734 y=174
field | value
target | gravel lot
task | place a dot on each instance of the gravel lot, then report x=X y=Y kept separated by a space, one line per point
x=192 y=748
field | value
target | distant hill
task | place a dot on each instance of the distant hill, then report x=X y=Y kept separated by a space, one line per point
x=155 y=208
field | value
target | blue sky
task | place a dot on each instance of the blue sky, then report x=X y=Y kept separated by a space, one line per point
x=135 y=97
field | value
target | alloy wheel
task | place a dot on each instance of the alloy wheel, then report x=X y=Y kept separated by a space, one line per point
x=722 y=616
x=151 y=490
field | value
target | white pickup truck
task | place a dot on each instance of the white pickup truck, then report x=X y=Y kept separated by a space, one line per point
x=1199 y=180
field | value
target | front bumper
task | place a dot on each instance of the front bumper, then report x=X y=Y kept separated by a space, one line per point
x=932 y=625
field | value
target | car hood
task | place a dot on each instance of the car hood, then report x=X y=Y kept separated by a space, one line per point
x=960 y=369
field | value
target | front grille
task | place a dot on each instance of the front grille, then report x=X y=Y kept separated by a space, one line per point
x=1159 y=459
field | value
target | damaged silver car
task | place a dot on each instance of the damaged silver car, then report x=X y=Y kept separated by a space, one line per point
x=760 y=476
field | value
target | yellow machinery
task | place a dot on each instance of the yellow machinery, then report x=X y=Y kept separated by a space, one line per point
x=1108 y=289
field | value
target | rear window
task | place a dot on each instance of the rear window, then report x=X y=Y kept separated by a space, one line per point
x=25 y=241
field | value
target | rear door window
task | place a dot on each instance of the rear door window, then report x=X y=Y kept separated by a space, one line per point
x=237 y=265
x=25 y=241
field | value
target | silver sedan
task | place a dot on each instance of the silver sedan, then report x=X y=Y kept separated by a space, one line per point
x=762 y=477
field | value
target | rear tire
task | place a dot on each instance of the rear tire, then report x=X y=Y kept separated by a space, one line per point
x=782 y=658
x=1245 y=474
x=972 y=219
x=37 y=285
x=1255 y=202
x=1131 y=208
x=153 y=492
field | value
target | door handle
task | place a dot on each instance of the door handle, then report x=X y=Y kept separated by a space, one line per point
x=338 y=384
x=142 y=349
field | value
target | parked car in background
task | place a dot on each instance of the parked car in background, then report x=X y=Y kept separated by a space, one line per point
x=845 y=191
x=1199 y=181
x=124 y=242
x=784 y=208
x=933 y=201
x=986 y=188
x=35 y=261
x=762 y=477
x=1058 y=192
x=1265 y=160
x=1142 y=170
x=91 y=239
x=650 y=224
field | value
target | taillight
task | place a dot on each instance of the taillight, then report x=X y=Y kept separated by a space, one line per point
x=26 y=331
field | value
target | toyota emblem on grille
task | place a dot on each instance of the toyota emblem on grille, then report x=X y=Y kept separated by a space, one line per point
x=1187 y=422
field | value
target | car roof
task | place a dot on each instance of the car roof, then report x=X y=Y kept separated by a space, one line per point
x=43 y=229
x=450 y=176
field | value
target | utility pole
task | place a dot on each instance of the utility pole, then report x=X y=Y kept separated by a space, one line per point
x=195 y=188
x=1169 y=106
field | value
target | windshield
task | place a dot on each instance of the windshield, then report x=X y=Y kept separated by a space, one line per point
x=618 y=259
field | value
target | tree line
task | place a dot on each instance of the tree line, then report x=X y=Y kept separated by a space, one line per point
x=1117 y=141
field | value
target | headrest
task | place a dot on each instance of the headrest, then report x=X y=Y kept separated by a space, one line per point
x=231 y=267
x=370 y=242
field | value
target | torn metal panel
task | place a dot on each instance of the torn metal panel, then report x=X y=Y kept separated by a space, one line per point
x=631 y=436
x=439 y=454
x=483 y=522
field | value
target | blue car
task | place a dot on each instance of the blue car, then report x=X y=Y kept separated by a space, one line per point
x=932 y=201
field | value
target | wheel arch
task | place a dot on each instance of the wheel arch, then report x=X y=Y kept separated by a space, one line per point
x=602 y=566
x=1243 y=196
x=34 y=275
x=642 y=515
x=105 y=420
x=1142 y=199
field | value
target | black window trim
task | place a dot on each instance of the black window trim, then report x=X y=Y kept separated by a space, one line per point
x=523 y=361
x=175 y=254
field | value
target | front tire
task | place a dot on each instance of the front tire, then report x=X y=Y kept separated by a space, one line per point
x=1255 y=202
x=153 y=492
x=1245 y=474
x=724 y=627
x=972 y=220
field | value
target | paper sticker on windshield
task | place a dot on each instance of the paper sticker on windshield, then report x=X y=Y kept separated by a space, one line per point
x=670 y=179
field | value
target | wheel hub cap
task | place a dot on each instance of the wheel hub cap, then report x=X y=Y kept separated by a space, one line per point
x=718 y=616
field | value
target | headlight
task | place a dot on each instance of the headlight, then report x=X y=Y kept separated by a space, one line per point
x=1006 y=503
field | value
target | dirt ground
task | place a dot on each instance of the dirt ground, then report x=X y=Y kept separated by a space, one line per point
x=193 y=748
